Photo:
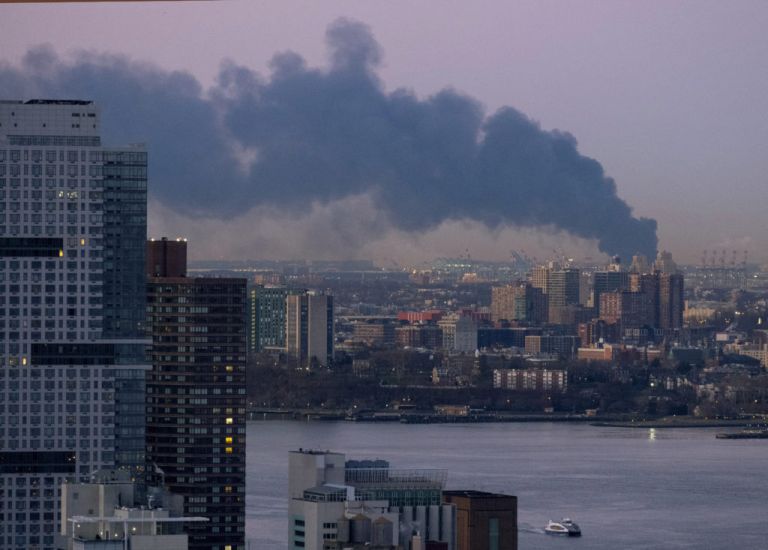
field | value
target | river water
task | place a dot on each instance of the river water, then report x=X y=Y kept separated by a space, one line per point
x=626 y=487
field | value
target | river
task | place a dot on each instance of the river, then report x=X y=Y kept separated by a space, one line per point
x=628 y=488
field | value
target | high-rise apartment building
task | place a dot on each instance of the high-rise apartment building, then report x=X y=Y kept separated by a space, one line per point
x=72 y=228
x=309 y=330
x=518 y=302
x=627 y=309
x=562 y=292
x=267 y=317
x=196 y=399
x=671 y=301
x=607 y=281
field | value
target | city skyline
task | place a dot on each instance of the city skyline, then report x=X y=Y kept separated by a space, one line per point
x=646 y=127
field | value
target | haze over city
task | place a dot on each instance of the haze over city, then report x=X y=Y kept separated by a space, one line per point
x=363 y=275
x=664 y=102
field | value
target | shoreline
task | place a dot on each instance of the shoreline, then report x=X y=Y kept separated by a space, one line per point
x=432 y=418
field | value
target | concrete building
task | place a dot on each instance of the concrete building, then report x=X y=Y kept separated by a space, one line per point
x=336 y=504
x=196 y=399
x=309 y=332
x=111 y=513
x=484 y=521
x=72 y=232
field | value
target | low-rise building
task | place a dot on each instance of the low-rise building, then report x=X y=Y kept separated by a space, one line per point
x=336 y=504
x=111 y=512
x=548 y=380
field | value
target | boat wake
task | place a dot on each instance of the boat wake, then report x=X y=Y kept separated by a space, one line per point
x=528 y=528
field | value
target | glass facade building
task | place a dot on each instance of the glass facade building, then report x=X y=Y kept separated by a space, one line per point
x=72 y=351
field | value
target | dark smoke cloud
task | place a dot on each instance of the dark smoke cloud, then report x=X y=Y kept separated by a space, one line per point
x=308 y=135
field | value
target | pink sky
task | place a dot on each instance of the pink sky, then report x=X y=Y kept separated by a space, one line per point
x=671 y=97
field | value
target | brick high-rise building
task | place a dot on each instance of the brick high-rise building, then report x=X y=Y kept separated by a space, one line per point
x=484 y=520
x=671 y=301
x=518 y=302
x=166 y=258
x=607 y=281
x=627 y=309
x=196 y=399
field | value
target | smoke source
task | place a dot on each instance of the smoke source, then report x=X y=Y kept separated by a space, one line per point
x=306 y=136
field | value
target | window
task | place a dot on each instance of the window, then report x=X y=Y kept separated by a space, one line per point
x=493 y=534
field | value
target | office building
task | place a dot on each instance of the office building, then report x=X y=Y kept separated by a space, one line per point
x=334 y=504
x=196 y=399
x=484 y=521
x=309 y=330
x=72 y=232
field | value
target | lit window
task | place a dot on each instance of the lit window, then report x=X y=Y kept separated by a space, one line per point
x=229 y=420
x=229 y=368
x=228 y=440
x=228 y=450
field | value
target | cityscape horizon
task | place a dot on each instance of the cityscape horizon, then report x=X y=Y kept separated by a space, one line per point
x=347 y=276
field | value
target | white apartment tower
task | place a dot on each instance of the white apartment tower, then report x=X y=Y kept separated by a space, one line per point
x=72 y=304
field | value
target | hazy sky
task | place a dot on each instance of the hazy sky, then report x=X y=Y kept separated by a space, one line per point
x=671 y=97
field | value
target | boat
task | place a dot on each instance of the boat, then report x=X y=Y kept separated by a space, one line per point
x=745 y=434
x=566 y=527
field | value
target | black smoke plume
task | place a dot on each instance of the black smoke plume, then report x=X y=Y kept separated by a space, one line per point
x=306 y=135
